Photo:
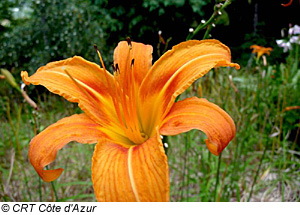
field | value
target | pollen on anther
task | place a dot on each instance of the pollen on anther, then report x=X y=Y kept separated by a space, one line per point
x=114 y=68
x=129 y=42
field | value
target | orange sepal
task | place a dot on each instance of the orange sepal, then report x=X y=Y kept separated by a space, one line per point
x=94 y=83
x=44 y=147
x=138 y=173
x=195 y=113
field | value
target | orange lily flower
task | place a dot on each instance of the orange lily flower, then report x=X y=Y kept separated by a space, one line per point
x=260 y=50
x=125 y=113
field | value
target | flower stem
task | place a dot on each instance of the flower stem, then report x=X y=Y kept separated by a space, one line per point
x=40 y=189
x=256 y=174
x=14 y=128
x=218 y=178
x=218 y=8
x=53 y=188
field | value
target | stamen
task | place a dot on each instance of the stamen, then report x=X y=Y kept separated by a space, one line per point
x=129 y=42
x=117 y=68
x=99 y=54
x=113 y=92
x=123 y=95
x=114 y=68
x=161 y=38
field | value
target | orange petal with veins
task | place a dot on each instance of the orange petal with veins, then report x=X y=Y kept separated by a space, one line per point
x=174 y=72
x=44 y=147
x=195 y=113
x=138 y=173
x=142 y=55
x=93 y=92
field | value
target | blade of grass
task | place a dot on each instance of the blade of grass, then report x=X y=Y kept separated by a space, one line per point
x=217 y=177
x=256 y=174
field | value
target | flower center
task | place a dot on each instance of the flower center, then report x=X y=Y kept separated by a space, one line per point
x=124 y=95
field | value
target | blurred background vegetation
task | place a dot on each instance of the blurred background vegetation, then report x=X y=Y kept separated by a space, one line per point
x=35 y=32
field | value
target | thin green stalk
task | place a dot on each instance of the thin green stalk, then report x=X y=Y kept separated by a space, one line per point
x=26 y=184
x=282 y=187
x=206 y=35
x=53 y=188
x=277 y=119
x=256 y=174
x=40 y=189
x=185 y=164
x=258 y=102
x=3 y=195
x=218 y=8
x=13 y=128
x=188 y=140
x=237 y=192
x=296 y=137
x=218 y=176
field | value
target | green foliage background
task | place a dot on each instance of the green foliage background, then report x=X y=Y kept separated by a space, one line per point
x=49 y=30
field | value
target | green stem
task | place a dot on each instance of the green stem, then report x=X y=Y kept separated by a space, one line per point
x=53 y=188
x=218 y=176
x=217 y=8
x=184 y=165
x=40 y=189
x=188 y=140
x=282 y=187
x=13 y=128
x=206 y=35
x=26 y=184
x=256 y=174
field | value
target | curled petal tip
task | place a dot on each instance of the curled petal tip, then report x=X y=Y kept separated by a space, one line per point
x=195 y=113
x=213 y=148
x=237 y=66
x=24 y=75
x=51 y=175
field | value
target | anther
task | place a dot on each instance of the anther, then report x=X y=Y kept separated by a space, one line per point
x=129 y=42
x=96 y=48
x=117 y=68
x=114 y=68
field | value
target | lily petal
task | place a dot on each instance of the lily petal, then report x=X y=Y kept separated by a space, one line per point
x=195 y=113
x=44 y=146
x=138 y=173
x=142 y=55
x=175 y=71
x=93 y=92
